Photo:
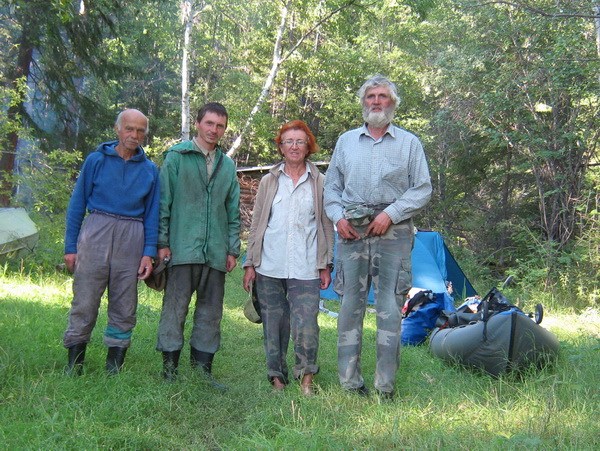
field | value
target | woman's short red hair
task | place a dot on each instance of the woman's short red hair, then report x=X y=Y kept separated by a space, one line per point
x=297 y=124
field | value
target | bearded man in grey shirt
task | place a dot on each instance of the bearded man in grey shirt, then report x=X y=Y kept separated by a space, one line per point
x=377 y=180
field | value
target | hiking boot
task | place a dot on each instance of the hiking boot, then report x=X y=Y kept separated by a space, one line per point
x=76 y=356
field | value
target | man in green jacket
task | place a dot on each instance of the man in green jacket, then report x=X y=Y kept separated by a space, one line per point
x=199 y=233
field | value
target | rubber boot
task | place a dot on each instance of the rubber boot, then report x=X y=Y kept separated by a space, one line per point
x=76 y=355
x=115 y=359
x=170 y=364
x=203 y=361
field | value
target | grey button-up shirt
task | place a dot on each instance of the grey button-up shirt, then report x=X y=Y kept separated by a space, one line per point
x=390 y=170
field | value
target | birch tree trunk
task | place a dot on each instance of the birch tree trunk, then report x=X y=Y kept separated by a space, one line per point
x=276 y=64
x=187 y=18
x=268 y=82
x=597 y=21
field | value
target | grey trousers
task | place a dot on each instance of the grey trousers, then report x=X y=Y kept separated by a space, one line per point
x=289 y=305
x=109 y=251
x=182 y=282
x=385 y=261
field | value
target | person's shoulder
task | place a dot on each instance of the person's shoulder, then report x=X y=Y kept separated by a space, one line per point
x=179 y=149
x=350 y=136
x=353 y=132
x=101 y=152
x=399 y=131
x=272 y=174
x=275 y=170
x=95 y=156
x=314 y=170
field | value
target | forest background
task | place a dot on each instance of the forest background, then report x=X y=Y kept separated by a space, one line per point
x=503 y=94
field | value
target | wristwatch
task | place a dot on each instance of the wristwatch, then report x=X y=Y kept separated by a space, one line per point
x=330 y=266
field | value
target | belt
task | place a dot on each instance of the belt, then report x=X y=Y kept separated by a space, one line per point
x=378 y=208
x=112 y=215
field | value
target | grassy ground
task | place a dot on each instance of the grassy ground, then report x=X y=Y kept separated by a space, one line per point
x=437 y=407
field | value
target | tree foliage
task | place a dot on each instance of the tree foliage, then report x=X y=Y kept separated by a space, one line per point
x=504 y=95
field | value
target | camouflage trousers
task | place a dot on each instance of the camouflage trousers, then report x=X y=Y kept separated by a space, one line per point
x=384 y=261
x=289 y=305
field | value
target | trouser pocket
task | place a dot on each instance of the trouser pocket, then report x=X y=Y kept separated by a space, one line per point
x=338 y=281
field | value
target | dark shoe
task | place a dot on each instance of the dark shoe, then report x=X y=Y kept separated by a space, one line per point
x=76 y=354
x=202 y=361
x=385 y=395
x=170 y=364
x=115 y=359
x=362 y=390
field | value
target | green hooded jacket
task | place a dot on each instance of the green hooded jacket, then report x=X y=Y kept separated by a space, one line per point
x=199 y=218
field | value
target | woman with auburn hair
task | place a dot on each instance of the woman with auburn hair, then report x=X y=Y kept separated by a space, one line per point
x=289 y=256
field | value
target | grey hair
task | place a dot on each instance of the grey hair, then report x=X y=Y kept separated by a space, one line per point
x=379 y=80
x=119 y=120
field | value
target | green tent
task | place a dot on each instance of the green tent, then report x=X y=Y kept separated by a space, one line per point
x=18 y=233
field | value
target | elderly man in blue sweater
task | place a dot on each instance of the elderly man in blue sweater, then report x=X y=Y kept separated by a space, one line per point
x=113 y=246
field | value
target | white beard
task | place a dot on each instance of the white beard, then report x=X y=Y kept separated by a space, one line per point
x=378 y=119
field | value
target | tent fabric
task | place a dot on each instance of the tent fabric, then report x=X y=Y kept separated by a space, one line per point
x=18 y=233
x=432 y=266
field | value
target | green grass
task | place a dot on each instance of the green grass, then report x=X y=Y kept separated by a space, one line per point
x=437 y=407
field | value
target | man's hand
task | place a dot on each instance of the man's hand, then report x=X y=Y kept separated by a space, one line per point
x=249 y=277
x=346 y=231
x=70 y=260
x=380 y=225
x=164 y=252
x=231 y=263
x=325 y=277
x=145 y=268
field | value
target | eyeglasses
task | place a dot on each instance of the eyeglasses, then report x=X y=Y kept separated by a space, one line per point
x=291 y=142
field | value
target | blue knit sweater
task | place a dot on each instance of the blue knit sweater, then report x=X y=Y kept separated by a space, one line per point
x=113 y=185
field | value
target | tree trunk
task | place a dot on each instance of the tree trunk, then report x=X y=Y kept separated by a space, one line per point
x=597 y=20
x=276 y=63
x=187 y=17
x=268 y=82
x=7 y=158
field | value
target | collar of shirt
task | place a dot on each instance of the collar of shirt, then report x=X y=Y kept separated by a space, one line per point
x=304 y=176
x=209 y=154
x=391 y=130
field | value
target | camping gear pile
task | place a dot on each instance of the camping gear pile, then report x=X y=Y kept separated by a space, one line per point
x=493 y=335
x=432 y=266
x=420 y=314
x=489 y=333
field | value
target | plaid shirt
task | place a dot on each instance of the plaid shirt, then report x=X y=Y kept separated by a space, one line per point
x=391 y=170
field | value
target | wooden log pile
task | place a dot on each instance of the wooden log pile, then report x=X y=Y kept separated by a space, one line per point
x=248 y=190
